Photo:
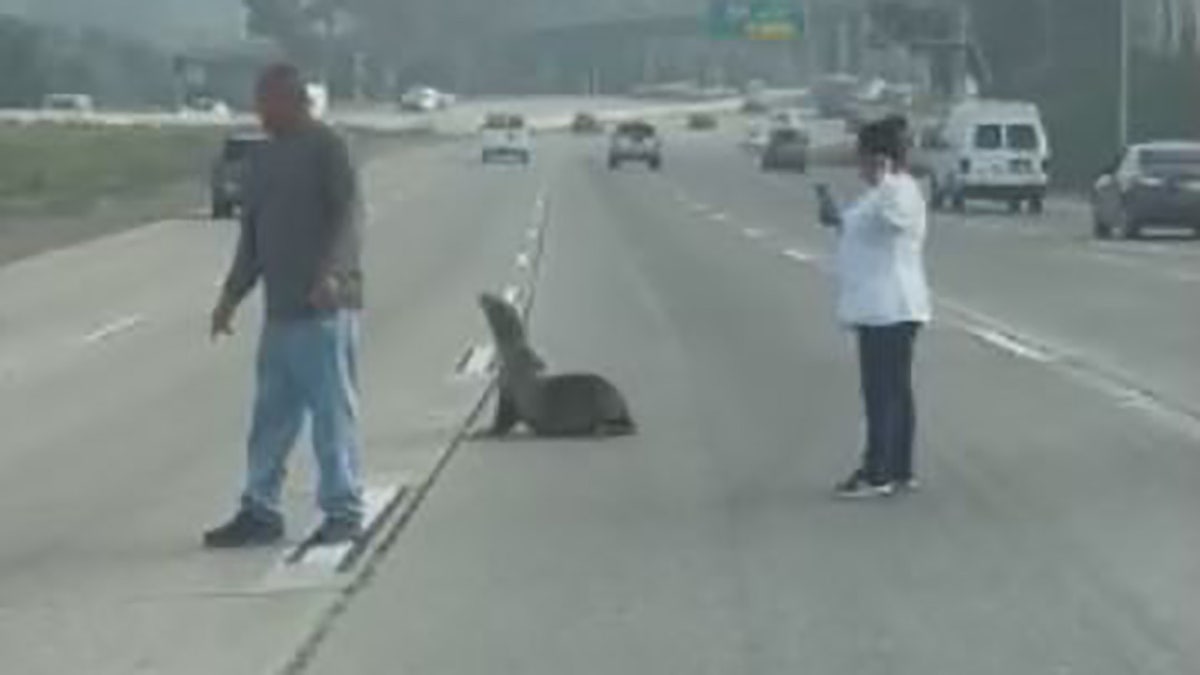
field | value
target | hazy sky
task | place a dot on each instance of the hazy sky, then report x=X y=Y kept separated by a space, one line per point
x=160 y=20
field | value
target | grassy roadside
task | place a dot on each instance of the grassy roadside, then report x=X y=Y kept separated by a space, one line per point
x=61 y=170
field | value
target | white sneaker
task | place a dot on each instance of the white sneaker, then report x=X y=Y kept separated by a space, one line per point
x=858 y=487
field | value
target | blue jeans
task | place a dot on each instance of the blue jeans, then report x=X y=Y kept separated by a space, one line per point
x=307 y=366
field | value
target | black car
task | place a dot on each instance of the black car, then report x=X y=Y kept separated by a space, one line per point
x=635 y=142
x=1152 y=185
x=787 y=150
x=586 y=123
x=229 y=169
x=702 y=122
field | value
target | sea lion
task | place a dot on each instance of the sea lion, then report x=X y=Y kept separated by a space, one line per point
x=566 y=405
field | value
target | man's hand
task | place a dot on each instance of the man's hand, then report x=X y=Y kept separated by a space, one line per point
x=222 y=319
x=324 y=295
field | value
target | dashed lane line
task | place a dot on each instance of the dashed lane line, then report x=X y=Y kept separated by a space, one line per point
x=114 y=328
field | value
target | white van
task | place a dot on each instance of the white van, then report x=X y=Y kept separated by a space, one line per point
x=991 y=150
x=505 y=135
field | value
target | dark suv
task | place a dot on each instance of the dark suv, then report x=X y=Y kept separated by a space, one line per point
x=635 y=142
x=229 y=172
x=787 y=150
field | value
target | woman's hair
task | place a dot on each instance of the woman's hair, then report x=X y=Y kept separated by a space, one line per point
x=887 y=137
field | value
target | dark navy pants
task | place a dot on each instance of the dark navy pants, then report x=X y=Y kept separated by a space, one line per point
x=886 y=362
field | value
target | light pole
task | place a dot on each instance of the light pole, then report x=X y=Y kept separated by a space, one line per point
x=1123 y=77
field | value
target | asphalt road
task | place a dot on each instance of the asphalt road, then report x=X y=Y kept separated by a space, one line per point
x=1060 y=446
x=1056 y=533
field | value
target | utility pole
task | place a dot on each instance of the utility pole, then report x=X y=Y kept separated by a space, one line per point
x=1123 y=77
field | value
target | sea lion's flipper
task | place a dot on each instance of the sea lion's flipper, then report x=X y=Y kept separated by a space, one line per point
x=623 y=426
x=506 y=414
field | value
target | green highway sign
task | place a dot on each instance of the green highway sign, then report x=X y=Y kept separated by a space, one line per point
x=756 y=19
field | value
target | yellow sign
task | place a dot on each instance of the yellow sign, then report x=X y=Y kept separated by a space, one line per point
x=776 y=30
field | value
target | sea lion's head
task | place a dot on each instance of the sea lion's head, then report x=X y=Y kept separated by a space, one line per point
x=503 y=320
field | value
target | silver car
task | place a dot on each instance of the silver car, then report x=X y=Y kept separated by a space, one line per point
x=1152 y=185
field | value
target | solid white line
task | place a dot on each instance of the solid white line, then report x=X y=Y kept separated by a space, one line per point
x=108 y=330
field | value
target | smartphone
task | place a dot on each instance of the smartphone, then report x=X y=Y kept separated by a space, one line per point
x=830 y=215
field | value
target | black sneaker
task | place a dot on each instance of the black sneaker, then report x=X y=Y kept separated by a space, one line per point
x=858 y=487
x=245 y=530
x=335 y=531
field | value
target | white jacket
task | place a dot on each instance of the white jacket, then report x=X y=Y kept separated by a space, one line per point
x=880 y=256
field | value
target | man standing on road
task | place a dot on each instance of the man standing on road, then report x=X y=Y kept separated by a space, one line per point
x=300 y=234
x=884 y=296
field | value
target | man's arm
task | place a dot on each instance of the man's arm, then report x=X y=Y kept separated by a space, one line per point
x=246 y=268
x=342 y=204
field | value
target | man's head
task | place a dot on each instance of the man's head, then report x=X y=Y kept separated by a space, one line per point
x=281 y=99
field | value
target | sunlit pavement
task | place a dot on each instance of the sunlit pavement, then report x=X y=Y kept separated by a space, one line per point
x=1055 y=532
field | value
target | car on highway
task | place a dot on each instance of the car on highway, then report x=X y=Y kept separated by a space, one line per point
x=424 y=99
x=989 y=150
x=786 y=150
x=835 y=94
x=790 y=118
x=506 y=136
x=75 y=103
x=228 y=175
x=586 y=123
x=1153 y=185
x=758 y=133
x=636 y=141
x=701 y=121
x=752 y=106
x=207 y=105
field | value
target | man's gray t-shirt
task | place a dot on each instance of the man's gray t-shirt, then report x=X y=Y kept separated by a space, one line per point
x=300 y=221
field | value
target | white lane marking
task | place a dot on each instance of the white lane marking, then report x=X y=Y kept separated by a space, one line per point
x=478 y=362
x=532 y=234
x=719 y=217
x=1010 y=344
x=110 y=329
x=799 y=256
x=319 y=565
x=754 y=233
x=523 y=261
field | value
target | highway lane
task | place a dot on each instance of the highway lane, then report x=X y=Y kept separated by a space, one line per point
x=1055 y=533
x=1129 y=310
x=124 y=427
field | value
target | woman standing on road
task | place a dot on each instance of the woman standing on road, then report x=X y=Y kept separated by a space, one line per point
x=884 y=297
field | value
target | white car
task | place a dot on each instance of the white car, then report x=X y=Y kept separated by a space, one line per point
x=425 y=99
x=758 y=134
x=989 y=150
x=787 y=119
x=506 y=136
